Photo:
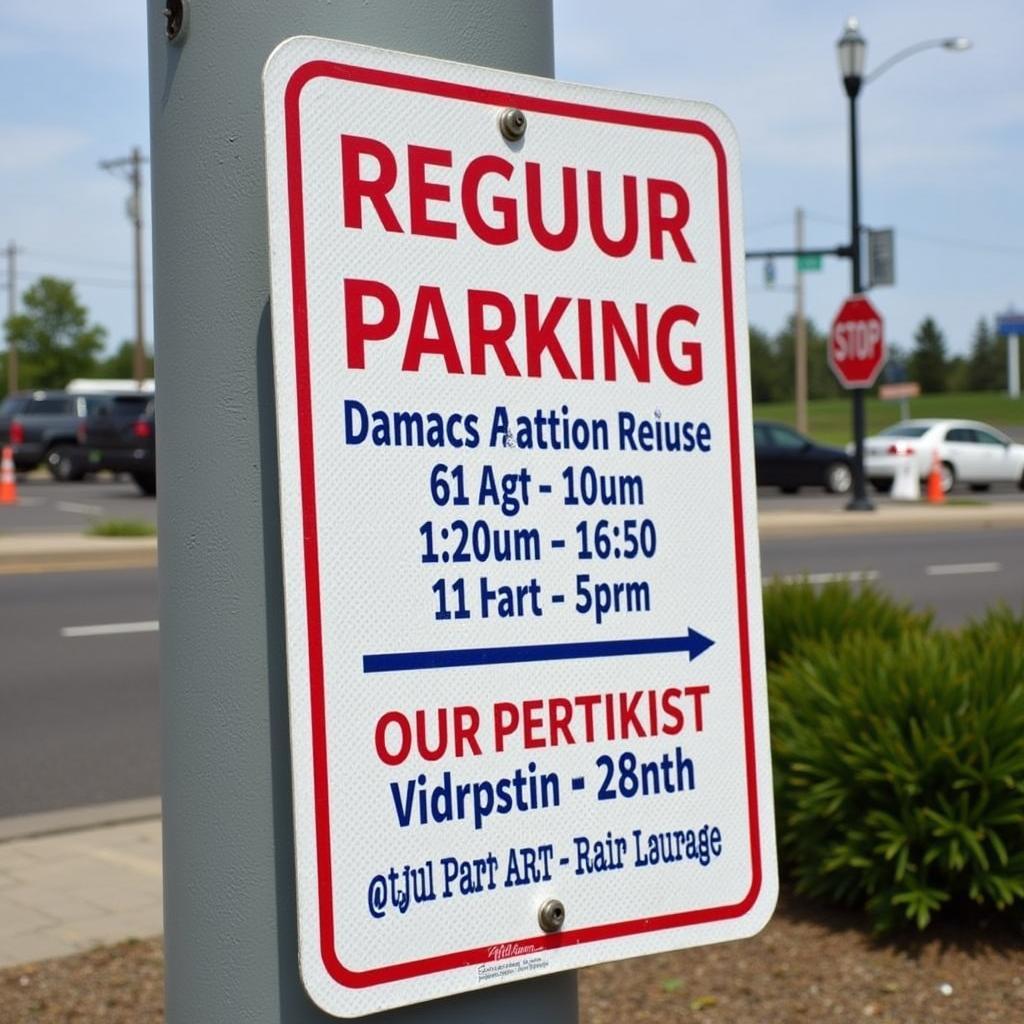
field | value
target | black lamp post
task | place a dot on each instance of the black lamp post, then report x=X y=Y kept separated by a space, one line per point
x=852 y=49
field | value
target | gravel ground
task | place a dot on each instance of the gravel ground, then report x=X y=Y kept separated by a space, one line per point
x=807 y=965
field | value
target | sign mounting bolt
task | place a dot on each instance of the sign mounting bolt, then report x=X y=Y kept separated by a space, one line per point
x=176 y=15
x=551 y=915
x=512 y=123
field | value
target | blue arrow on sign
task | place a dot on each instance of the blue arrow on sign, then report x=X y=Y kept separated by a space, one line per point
x=693 y=643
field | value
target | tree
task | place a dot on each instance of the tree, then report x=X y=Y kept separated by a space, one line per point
x=121 y=365
x=764 y=368
x=986 y=365
x=928 y=361
x=54 y=341
x=821 y=381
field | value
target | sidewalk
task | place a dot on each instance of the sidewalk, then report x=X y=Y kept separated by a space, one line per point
x=68 y=552
x=67 y=891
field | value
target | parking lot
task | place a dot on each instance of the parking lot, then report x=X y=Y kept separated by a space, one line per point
x=46 y=506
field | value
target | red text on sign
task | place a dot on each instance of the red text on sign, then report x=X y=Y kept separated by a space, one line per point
x=442 y=201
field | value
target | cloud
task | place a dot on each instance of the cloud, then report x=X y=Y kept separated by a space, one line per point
x=29 y=147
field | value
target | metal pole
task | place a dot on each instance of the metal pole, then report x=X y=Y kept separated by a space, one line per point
x=229 y=886
x=859 y=502
x=1013 y=365
x=140 y=344
x=800 y=352
x=12 y=308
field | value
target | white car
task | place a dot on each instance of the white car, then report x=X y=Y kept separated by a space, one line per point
x=968 y=452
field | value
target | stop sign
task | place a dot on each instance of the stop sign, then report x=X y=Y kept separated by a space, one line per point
x=856 y=345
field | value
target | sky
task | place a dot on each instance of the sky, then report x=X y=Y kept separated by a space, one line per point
x=942 y=141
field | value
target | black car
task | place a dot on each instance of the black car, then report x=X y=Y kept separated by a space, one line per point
x=120 y=435
x=786 y=459
x=41 y=427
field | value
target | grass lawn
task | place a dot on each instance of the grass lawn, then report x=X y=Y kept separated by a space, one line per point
x=829 y=420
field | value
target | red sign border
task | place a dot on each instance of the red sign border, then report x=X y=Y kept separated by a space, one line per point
x=300 y=78
x=843 y=380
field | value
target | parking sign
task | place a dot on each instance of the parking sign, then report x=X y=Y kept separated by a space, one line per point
x=523 y=626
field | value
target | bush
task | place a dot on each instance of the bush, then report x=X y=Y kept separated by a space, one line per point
x=899 y=769
x=797 y=612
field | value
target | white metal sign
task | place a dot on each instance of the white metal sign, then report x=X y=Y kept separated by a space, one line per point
x=523 y=615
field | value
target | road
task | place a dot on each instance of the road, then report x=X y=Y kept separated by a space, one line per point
x=46 y=506
x=79 y=709
x=78 y=714
x=957 y=574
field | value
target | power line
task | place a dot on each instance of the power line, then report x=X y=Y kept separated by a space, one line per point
x=98 y=282
x=74 y=260
x=919 y=236
x=765 y=225
x=964 y=243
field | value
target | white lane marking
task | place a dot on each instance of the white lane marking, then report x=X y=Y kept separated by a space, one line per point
x=964 y=569
x=854 y=576
x=27 y=502
x=74 y=506
x=110 y=629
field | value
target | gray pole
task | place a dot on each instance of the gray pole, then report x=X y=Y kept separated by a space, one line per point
x=12 y=308
x=229 y=888
x=1013 y=365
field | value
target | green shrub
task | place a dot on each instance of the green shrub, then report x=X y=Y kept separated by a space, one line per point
x=899 y=770
x=998 y=625
x=797 y=612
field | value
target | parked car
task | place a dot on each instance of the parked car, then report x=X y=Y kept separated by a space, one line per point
x=787 y=459
x=41 y=427
x=968 y=452
x=120 y=435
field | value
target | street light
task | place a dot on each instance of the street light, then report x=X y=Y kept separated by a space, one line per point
x=852 y=52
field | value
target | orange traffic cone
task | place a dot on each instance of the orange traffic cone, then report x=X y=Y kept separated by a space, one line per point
x=935 y=495
x=8 y=487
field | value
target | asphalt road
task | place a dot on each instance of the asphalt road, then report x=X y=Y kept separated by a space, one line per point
x=958 y=575
x=78 y=713
x=47 y=506
x=78 y=675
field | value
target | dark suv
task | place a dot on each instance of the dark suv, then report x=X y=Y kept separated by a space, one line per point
x=119 y=434
x=42 y=426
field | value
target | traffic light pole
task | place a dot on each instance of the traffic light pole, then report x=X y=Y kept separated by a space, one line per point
x=229 y=860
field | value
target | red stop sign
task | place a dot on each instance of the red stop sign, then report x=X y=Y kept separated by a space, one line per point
x=856 y=346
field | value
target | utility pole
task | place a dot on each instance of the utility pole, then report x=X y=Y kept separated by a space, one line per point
x=800 y=353
x=12 y=308
x=230 y=928
x=133 y=164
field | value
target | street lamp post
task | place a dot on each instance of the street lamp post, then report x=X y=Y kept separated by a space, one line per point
x=852 y=50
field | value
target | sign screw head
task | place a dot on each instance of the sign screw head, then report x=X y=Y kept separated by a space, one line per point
x=512 y=123
x=551 y=915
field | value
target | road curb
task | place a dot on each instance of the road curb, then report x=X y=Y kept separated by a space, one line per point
x=64 y=552
x=891 y=518
x=77 y=819
x=33 y=553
